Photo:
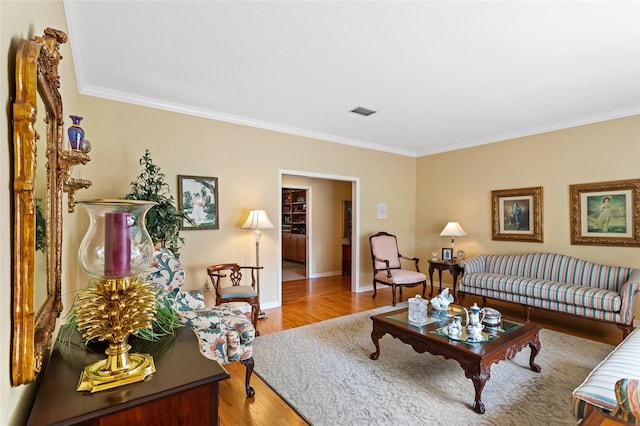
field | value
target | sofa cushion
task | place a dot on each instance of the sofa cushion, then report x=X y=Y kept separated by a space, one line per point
x=558 y=267
x=570 y=294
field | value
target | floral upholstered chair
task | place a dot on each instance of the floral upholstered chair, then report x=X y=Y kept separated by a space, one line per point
x=224 y=332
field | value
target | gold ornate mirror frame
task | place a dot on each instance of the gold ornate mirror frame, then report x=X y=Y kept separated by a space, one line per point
x=37 y=80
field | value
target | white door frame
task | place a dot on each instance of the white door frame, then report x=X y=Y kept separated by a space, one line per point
x=355 y=225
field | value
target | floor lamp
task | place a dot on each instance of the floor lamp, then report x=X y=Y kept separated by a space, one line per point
x=258 y=220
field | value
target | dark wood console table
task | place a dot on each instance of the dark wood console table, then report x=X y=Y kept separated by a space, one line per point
x=444 y=265
x=183 y=390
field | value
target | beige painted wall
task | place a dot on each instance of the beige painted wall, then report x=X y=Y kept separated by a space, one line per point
x=457 y=186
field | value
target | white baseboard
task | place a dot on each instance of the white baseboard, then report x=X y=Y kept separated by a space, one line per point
x=325 y=274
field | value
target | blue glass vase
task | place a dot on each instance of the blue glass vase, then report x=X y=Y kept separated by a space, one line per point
x=75 y=132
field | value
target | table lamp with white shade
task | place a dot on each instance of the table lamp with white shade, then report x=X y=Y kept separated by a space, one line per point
x=453 y=229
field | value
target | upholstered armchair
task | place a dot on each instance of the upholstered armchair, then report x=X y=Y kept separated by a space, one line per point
x=387 y=266
x=224 y=332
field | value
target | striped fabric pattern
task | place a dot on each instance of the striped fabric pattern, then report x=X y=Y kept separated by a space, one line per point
x=556 y=282
x=547 y=304
x=558 y=267
x=561 y=292
x=598 y=389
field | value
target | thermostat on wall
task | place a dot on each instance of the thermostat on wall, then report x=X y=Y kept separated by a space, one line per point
x=382 y=211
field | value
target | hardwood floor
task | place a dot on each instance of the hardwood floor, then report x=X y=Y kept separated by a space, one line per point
x=313 y=300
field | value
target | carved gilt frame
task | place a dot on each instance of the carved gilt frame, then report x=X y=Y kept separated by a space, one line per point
x=36 y=74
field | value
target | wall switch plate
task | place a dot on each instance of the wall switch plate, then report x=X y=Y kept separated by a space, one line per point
x=382 y=211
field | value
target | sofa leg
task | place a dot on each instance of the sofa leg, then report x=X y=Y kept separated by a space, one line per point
x=527 y=313
x=626 y=329
x=248 y=363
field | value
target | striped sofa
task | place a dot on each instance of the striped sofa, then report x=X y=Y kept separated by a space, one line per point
x=613 y=386
x=555 y=282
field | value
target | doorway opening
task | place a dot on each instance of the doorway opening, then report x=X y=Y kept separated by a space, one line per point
x=325 y=216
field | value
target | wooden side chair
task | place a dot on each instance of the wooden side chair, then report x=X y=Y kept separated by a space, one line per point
x=387 y=266
x=232 y=286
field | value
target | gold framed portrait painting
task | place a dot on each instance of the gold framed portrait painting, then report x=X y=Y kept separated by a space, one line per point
x=606 y=213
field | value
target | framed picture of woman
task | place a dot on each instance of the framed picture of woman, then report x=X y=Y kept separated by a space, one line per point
x=198 y=199
x=605 y=213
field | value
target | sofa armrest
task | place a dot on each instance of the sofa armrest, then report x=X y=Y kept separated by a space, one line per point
x=628 y=293
x=475 y=264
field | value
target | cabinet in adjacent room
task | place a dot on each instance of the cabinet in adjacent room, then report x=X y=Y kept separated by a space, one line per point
x=294 y=224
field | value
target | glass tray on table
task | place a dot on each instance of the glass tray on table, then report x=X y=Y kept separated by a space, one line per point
x=464 y=337
x=488 y=334
x=433 y=316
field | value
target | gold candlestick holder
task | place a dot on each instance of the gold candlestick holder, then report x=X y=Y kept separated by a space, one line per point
x=111 y=310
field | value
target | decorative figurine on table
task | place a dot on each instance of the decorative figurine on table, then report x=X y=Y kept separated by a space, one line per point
x=441 y=302
x=474 y=322
x=454 y=328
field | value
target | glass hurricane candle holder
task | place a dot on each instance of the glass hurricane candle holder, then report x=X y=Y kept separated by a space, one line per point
x=116 y=250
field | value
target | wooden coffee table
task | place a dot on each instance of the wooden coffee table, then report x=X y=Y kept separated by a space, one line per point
x=475 y=359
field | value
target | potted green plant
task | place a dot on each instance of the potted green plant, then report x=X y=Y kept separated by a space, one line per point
x=164 y=220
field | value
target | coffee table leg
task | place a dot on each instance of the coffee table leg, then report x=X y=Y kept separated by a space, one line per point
x=535 y=349
x=375 y=336
x=479 y=380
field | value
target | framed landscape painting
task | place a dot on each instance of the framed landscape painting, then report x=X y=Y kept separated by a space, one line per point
x=517 y=214
x=606 y=213
x=198 y=199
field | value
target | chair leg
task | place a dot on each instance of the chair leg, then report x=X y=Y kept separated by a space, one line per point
x=400 y=291
x=374 y=290
x=248 y=363
x=424 y=289
x=393 y=295
x=255 y=312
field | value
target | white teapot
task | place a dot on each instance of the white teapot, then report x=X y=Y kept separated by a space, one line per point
x=474 y=321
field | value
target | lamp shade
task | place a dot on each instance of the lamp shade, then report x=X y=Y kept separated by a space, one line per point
x=453 y=229
x=257 y=219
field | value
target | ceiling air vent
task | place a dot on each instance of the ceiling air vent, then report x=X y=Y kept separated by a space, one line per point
x=363 y=111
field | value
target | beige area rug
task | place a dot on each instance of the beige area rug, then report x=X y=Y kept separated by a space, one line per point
x=324 y=372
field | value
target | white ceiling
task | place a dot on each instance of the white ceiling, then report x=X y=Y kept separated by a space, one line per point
x=442 y=75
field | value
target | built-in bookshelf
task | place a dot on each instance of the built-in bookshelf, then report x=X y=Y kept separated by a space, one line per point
x=294 y=224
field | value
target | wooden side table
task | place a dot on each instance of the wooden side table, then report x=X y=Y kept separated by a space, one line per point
x=183 y=390
x=444 y=265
